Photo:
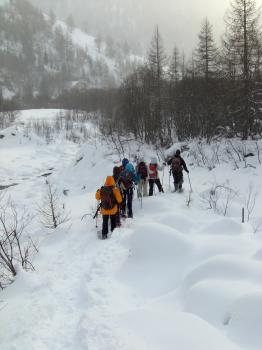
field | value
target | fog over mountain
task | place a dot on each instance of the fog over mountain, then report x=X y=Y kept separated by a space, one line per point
x=134 y=20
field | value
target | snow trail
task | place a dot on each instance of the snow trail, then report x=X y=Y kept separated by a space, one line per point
x=176 y=276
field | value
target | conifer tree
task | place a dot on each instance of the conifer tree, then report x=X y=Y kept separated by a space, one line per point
x=174 y=69
x=206 y=51
x=240 y=54
x=157 y=61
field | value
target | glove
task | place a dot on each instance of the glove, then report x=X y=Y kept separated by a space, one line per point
x=164 y=163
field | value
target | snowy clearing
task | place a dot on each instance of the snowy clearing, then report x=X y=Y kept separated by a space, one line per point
x=176 y=276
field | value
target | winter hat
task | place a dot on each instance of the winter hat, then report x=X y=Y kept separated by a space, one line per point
x=178 y=152
x=110 y=181
x=125 y=161
x=116 y=171
x=130 y=168
x=153 y=160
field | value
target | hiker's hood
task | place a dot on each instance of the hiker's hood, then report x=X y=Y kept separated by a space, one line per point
x=125 y=161
x=130 y=168
x=153 y=160
x=110 y=181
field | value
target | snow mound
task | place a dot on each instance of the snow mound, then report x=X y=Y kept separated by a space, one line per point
x=226 y=267
x=246 y=320
x=225 y=226
x=180 y=222
x=155 y=248
x=145 y=330
x=258 y=255
x=212 y=299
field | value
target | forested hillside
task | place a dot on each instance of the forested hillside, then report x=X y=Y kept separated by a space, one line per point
x=41 y=56
x=217 y=91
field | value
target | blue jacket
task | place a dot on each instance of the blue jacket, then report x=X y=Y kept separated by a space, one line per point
x=129 y=174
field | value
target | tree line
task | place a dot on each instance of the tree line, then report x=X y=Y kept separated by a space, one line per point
x=218 y=91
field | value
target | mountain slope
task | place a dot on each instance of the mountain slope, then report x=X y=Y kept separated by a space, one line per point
x=41 y=55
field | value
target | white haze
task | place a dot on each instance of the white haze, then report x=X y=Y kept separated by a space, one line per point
x=134 y=20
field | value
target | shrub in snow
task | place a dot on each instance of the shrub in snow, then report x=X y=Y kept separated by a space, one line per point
x=6 y=119
x=15 y=248
x=52 y=212
x=219 y=198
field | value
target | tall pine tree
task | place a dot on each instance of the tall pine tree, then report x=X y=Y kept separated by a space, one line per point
x=157 y=61
x=206 y=54
x=240 y=55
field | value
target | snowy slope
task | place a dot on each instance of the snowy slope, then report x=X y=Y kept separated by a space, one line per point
x=41 y=55
x=176 y=276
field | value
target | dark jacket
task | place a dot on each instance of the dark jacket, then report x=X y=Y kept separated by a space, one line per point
x=183 y=163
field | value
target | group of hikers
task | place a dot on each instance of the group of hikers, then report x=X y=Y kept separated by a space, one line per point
x=116 y=196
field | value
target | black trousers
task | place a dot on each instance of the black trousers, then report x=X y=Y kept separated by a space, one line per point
x=106 y=222
x=118 y=222
x=128 y=202
x=152 y=182
x=178 y=180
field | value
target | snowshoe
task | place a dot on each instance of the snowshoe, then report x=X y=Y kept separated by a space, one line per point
x=99 y=234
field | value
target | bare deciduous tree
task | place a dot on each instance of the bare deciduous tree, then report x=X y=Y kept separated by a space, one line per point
x=52 y=212
x=250 y=202
x=219 y=198
x=16 y=248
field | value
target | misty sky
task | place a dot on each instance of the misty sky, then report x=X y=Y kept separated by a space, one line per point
x=179 y=20
x=134 y=20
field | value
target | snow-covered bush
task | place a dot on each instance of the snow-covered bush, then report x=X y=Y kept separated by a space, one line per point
x=6 y=119
x=237 y=152
x=52 y=212
x=219 y=198
x=16 y=247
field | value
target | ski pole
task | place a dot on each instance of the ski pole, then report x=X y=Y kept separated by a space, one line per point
x=169 y=179
x=191 y=190
x=97 y=211
x=96 y=215
x=142 y=193
x=163 y=175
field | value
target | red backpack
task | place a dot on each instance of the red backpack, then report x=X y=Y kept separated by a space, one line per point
x=107 y=196
x=153 y=171
x=176 y=165
x=126 y=180
x=142 y=170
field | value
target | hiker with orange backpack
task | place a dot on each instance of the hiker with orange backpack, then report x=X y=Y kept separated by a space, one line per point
x=153 y=169
x=116 y=174
x=177 y=165
x=110 y=197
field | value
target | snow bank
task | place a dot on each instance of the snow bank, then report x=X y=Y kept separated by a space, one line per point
x=225 y=226
x=246 y=320
x=148 y=329
x=176 y=276
x=154 y=248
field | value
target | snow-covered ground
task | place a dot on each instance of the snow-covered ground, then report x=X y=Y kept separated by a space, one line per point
x=177 y=276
